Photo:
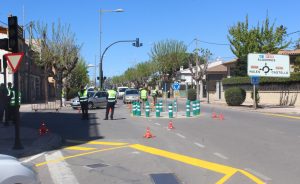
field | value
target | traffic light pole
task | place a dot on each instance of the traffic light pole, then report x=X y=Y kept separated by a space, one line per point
x=136 y=44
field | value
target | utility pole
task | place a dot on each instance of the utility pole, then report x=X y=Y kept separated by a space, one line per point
x=29 y=62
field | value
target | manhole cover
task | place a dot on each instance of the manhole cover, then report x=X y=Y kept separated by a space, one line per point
x=95 y=166
x=164 y=178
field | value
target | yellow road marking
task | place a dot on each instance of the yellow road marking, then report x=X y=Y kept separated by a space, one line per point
x=97 y=142
x=79 y=148
x=226 y=170
x=282 y=115
x=77 y=155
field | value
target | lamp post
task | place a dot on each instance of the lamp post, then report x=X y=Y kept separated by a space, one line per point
x=100 y=28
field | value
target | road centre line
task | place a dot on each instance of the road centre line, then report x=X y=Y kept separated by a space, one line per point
x=220 y=156
x=282 y=115
x=266 y=178
x=226 y=170
x=157 y=123
x=199 y=145
x=60 y=172
x=180 y=135
x=33 y=157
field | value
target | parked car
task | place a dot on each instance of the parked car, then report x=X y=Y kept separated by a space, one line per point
x=98 y=100
x=121 y=91
x=13 y=171
x=131 y=95
x=75 y=101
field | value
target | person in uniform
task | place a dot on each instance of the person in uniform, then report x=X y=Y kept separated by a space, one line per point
x=111 y=101
x=83 y=99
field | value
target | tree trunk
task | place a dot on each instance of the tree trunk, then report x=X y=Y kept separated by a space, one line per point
x=46 y=84
x=198 y=89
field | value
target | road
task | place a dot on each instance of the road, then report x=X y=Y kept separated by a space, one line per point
x=245 y=147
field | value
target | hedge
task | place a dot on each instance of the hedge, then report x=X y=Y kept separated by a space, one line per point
x=295 y=78
x=235 y=96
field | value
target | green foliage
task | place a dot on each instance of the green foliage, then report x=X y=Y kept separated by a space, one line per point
x=235 y=96
x=297 y=64
x=263 y=38
x=168 y=56
x=192 y=94
x=78 y=77
x=295 y=77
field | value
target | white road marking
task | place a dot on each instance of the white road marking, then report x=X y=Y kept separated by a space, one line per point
x=33 y=157
x=199 y=145
x=136 y=152
x=182 y=136
x=266 y=178
x=220 y=156
x=60 y=172
x=157 y=124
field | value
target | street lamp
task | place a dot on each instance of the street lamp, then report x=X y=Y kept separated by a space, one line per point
x=100 y=28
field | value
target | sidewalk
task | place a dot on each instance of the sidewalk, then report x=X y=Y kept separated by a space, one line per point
x=31 y=141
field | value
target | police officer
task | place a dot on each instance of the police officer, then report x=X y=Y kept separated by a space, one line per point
x=154 y=94
x=144 y=96
x=83 y=99
x=13 y=104
x=111 y=101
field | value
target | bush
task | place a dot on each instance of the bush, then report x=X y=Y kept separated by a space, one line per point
x=192 y=94
x=235 y=96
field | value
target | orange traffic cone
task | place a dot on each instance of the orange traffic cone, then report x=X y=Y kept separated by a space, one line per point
x=43 y=129
x=221 y=116
x=170 y=126
x=148 y=134
x=214 y=115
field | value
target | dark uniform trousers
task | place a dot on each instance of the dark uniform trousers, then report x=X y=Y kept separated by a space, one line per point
x=84 y=110
x=110 y=105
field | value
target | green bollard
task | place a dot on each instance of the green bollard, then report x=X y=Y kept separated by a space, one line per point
x=139 y=109
x=133 y=109
x=187 y=112
x=175 y=105
x=157 y=110
x=147 y=109
x=170 y=107
x=160 y=106
x=194 y=108
x=198 y=107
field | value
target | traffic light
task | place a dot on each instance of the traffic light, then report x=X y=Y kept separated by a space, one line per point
x=137 y=43
x=13 y=34
x=98 y=78
x=104 y=78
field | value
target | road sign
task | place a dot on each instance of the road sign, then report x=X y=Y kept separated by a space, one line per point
x=14 y=60
x=268 y=65
x=176 y=86
x=255 y=80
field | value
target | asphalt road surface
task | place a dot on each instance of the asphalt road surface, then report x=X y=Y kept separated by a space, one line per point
x=245 y=147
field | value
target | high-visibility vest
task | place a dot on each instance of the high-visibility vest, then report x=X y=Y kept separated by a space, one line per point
x=13 y=98
x=144 y=94
x=83 y=96
x=63 y=94
x=112 y=95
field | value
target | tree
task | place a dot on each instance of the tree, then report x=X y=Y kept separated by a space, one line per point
x=168 y=55
x=200 y=70
x=77 y=78
x=263 y=38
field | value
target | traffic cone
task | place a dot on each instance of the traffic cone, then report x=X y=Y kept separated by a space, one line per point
x=170 y=126
x=148 y=133
x=43 y=129
x=221 y=116
x=214 y=115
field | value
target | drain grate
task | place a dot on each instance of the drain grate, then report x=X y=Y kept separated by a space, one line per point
x=95 y=166
x=164 y=178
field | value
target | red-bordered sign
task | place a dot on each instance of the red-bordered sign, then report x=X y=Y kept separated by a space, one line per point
x=14 y=60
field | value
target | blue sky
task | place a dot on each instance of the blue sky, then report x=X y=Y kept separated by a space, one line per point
x=151 y=21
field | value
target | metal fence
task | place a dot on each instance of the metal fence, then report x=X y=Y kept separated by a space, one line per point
x=53 y=105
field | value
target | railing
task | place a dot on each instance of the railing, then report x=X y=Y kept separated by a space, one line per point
x=53 y=105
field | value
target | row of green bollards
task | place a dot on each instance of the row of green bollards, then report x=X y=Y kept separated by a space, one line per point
x=195 y=107
x=136 y=109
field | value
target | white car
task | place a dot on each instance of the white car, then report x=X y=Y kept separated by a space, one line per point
x=12 y=171
x=121 y=92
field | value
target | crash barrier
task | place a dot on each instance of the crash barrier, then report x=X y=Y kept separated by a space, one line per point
x=52 y=105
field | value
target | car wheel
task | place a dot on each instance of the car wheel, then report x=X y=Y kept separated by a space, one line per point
x=90 y=105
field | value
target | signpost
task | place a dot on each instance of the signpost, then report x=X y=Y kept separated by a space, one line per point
x=14 y=60
x=266 y=65
x=176 y=87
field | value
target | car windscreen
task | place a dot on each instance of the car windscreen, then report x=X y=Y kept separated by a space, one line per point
x=122 y=89
x=132 y=92
x=90 y=94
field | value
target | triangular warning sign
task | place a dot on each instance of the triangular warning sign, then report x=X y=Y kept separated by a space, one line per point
x=14 y=60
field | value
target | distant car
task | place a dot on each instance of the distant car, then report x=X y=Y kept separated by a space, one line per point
x=131 y=95
x=121 y=91
x=98 y=100
x=75 y=101
x=13 y=171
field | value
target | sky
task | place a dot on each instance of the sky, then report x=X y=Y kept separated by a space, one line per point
x=151 y=21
